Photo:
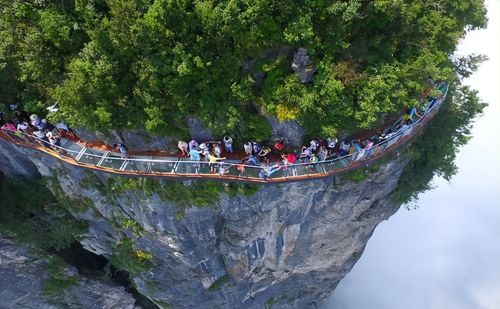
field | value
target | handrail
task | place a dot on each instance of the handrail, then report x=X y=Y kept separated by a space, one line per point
x=111 y=162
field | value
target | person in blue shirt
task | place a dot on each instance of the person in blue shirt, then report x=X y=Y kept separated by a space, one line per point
x=194 y=155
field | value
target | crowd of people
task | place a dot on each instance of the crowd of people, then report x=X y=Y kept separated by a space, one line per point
x=266 y=157
x=47 y=134
x=272 y=157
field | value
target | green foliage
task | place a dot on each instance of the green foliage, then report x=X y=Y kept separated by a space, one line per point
x=465 y=66
x=31 y=214
x=245 y=189
x=124 y=64
x=129 y=224
x=300 y=31
x=355 y=176
x=201 y=194
x=118 y=185
x=58 y=280
x=217 y=285
x=162 y=304
x=129 y=259
x=434 y=151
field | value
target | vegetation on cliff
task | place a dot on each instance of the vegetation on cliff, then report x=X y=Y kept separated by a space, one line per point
x=30 y=213
x=126 y=64
x=433 y=153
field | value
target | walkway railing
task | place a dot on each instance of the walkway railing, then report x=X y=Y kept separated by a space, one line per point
x=173 y=167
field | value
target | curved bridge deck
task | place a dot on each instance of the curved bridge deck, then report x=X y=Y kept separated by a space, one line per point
x=142 y=165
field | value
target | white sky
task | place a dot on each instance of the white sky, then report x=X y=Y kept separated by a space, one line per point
x=445 y=254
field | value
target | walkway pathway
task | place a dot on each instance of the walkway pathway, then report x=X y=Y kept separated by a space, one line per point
x=173 y=167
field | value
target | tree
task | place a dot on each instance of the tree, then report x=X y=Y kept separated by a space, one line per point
x=115 y=64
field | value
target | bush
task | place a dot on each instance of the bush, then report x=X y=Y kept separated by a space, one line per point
x=127 y=258
x=355 y=176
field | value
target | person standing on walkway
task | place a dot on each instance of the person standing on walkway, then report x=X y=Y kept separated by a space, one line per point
x=194 y=155
x=212 y=159
x=228 y=144
x=183 y=146
x=248 y=148
x=122 y=149
x=193 y=144
x=279 y=146
x=217 y=150
x=330 y=144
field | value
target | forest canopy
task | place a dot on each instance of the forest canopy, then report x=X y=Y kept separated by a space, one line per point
x=151 y=63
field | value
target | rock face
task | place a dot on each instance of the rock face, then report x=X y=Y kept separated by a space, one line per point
x=303 y=66
x=140 y=140
x=24 y=273
x=13 y=163
x=134 y=139
x=198 y=131
x=287 y=245
x=289 y=130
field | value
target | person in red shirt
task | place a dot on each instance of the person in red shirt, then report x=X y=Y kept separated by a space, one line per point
x=288 y=158
x=280 y=145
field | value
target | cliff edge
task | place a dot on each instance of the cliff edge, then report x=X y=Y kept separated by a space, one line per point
x=287 y=244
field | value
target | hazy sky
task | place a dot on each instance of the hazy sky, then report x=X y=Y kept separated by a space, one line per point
x=445 y=254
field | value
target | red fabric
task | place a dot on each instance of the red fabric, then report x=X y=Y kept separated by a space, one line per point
x=291 y=158
x=279 y=146
x=9 y=126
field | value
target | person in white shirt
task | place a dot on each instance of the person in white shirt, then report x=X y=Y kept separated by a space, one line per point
x=228 y=144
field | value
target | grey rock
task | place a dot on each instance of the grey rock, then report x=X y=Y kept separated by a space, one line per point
x=303 y=66
x=258 y=78
x=140 y=140
x=288 y=244
x=135 y=139
x=23 y=273
x=289 y=130
x=14 y=164
x=90 y=135
x=247 y=64
x=197 y=130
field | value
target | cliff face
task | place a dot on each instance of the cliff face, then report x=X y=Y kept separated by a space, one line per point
x=287 y=244
x=31 y=279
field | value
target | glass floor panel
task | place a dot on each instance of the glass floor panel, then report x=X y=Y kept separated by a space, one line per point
x=163 y=167
x=113 y=161
x=91 y=156
x=186 y=168
x=139 y=166
x=73 y=149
